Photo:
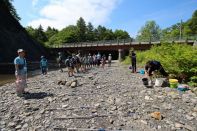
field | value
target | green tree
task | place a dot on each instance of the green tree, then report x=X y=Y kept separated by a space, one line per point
x=40 y=35
x=192 y=23
x=150 y=32
x=50 y=32
x=66 y=35
x=7 y=5
x=90 y=32
x=31 y=31
x=121 y=34
x=81 y=29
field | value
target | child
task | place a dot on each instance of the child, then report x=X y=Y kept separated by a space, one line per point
x=43 y=65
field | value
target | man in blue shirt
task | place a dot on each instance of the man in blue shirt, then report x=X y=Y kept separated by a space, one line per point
x=43 y=65
x=20 y=72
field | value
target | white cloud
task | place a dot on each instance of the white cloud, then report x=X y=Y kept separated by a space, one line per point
x=60 y=13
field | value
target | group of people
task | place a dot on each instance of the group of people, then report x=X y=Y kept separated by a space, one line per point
x=84 y=62
x=80 y=63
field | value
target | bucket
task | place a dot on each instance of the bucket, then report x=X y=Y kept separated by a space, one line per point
x=159 y=82
x=145 y=81
x=173 y=83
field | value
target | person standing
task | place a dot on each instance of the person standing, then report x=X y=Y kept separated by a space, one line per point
x=70 y=64
x=133 y=61
x=43 y=65
x=109 y=60
x=103 y=59
x=20 y=73
x=59 y=61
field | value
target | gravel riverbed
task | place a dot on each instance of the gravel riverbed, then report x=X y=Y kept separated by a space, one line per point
x=112 y=99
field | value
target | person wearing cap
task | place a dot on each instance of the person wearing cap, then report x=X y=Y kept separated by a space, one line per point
x=109 y=60
x=20 y=72
x=43 y=65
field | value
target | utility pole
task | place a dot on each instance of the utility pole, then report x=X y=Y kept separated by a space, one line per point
x=180 y=37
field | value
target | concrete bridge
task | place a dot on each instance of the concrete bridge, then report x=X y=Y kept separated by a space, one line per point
x=119 y=46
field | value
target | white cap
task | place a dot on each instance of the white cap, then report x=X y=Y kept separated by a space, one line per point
x=20 y=50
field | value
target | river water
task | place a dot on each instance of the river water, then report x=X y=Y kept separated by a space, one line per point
x=6 y=78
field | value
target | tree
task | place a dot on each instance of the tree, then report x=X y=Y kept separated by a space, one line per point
x=150 y=32
x=66 y=35
x=7 y=4
x=90 y=32
x=50 y=32
x=120 y=34
x=81 y=29
x=40 y=35
x=192 y=23
x=31 y=31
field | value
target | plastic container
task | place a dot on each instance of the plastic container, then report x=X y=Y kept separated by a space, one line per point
x=183 y=87
x=142 y=72
x=173 y=83
x=159 y=82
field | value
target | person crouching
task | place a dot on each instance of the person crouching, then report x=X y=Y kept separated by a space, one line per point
x=152 y=66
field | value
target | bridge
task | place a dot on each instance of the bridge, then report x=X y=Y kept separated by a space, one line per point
x=118 y=46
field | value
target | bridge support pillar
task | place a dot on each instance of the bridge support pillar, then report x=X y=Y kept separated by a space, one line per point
x=120 y=55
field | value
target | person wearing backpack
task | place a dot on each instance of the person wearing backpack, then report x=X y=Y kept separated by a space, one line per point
x=70 y=64
x=20 y=73
x=43 y=65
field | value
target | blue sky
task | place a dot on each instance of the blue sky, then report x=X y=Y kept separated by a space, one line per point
x=129 y=15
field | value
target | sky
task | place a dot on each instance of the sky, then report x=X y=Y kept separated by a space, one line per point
x=128 y=15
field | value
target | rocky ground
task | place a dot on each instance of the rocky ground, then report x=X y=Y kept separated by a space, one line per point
x=110 y=98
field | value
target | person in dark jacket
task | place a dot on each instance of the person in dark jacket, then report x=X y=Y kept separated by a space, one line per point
x=152 y=66
x=133 y=61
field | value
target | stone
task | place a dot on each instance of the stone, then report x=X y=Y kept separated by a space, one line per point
x=156 y=115
x=64 y=106
x=65 y=99
x=68 y=83
x=42 y=111
x=114 y=108
x=195 y=109
x=12 y=124
x=148 y=98
x=189 y=117
x=178 y=125
x=97 y=105
x=25 y=125
x=38 y=117
x=18 y=127
x=50 y=99
x=167 y=106
x=73 y=84
x=144 y=122
x=188 y=127
x=111 y=121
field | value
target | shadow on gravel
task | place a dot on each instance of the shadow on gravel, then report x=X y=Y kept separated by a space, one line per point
x=38 y=95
